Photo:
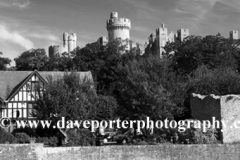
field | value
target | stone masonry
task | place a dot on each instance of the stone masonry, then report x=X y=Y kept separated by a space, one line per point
x=224 y=108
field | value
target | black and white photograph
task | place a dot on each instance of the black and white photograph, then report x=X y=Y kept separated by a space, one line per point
x=119 y=80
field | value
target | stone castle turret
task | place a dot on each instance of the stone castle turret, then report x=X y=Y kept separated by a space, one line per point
x=233 y=34
x=161 y=38
x=118 y=27
x=69 y=42
x=182 y=34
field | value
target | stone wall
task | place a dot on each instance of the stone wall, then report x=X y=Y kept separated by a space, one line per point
x=155 y=152
x=19 y=151
x=223 y=108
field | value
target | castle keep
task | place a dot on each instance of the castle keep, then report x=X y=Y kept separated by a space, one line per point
x=118 y=28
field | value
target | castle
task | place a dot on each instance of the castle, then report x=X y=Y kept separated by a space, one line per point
x=117 y=28
x=69 y=44
x=157 y=41
x=120 y=28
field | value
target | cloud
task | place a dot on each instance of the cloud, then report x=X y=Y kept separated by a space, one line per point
x=48 y=37
x=20 y=4
x=196 y=8
x=15 y=37
x=179 y=10
x=144 y=9
x=234 y=4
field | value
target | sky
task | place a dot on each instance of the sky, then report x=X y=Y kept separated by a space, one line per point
x=27 y=24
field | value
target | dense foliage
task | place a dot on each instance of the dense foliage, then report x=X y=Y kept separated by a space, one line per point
x=5 y=137
x=4 y=62
x=31 y=60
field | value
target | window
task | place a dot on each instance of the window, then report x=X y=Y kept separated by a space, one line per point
x=17 y=114
x=30 y=110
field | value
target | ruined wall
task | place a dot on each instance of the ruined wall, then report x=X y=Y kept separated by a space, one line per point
x=230 y=113
x=223 y=108
x=205 y=107
x=154 y=152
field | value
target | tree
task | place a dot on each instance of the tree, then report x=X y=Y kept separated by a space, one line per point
x=4 y=62
x=74 y=99
x=69 y=97
x=102 y=61
x=141 y=90
x=60 y=62
x=219 y=81
x=106 y=108
x=212 y=51
x=31 y=60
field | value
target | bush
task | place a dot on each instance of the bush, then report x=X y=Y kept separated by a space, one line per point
x=80 y=137
x=192 y=135
x=5 y=137
x=141 y=143
x=50 y=141
x=197 y=136
x=22 y=138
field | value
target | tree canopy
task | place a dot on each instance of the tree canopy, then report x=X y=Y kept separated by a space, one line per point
x=31 y=60
x=4 y=62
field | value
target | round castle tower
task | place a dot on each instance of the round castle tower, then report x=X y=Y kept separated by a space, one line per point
x=118 y=27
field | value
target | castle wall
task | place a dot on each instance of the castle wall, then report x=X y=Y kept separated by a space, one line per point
x=230 y=113
x=161 y=39
x=103 y=40
x=52 y=51
x=224 y=108
x=70 y=43
x=119 y=32
x=182 y=33
x=234 y=34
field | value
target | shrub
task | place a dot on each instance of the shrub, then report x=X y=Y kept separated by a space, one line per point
x=80 y=137
x=29 y=131
x=192 y=135
x=5 y=137
x=22 y=138
x=141 y=143
x=196 y=135
x=50 y=141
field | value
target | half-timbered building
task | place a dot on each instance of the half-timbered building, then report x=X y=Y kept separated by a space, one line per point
x=18 y=91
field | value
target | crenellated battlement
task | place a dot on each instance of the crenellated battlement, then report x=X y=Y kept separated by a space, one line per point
x=113 y=27
x=118 y=22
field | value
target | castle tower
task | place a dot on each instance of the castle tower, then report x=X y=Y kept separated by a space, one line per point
x=103 y=40
x=118 y=27
x=171 y=37
x=182 y=33
x=74 y=40
x=65 y=42
x=52 y=51
x=161 y=39
x=233 y=34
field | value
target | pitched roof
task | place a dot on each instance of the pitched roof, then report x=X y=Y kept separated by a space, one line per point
x=10 y=81
x=56 y=75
